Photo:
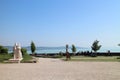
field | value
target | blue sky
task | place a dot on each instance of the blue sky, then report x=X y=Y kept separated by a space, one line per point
x=60 y=22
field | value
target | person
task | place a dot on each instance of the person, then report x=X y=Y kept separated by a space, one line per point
x=67 y=56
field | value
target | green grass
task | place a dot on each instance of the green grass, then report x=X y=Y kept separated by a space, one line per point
x=94 y=59
x=26 y=58
x=4 y=57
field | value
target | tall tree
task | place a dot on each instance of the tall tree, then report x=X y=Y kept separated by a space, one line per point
x=73 y=49
x=95 y=47
x=33 y=48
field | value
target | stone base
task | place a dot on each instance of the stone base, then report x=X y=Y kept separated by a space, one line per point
x=15 y=60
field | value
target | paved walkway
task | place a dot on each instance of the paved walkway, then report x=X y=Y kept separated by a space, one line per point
x=55 y=69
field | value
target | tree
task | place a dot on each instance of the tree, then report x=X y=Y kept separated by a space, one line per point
x=3 y=50
x=73 y=49
x=1 y=47
x=95 y=47
x=33 y=48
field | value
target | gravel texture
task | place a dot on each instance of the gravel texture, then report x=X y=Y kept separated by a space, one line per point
x=55 y=69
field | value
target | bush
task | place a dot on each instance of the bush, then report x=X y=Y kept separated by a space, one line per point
x=24 y=51
x=26 y=56
x=3 y=50
x=93 y=54
x=4 y=57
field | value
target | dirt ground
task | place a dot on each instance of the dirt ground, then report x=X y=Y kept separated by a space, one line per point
x=55 y=69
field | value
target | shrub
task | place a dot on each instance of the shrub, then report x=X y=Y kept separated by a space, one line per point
x=3 y=50
x=24 y=51
x=93 y=55
x=26 y=56
x=4 y=57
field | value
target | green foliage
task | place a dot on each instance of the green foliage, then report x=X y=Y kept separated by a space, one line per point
x=26 y=56
x=4 y=57
x=73 y=48
x=3 y=50
x=95 y=47
x=33 y=48
x=24 y=51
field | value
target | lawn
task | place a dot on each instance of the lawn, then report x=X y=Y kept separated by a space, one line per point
x=26 y=58
x=4 y=57
x=94 y=59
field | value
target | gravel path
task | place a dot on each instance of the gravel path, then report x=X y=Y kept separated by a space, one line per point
x=55 y=69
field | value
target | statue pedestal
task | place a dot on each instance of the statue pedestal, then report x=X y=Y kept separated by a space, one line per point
x=15 y=60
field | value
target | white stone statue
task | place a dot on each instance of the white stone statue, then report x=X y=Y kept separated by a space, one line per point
x=17 y=52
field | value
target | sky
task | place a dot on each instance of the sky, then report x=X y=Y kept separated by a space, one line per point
x=60 y=22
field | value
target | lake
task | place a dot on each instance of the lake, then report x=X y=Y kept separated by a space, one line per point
x=46 y=50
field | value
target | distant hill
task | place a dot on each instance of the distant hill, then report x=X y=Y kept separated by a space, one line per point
x=10 y=48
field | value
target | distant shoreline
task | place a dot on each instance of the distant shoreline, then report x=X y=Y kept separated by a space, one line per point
x=78 y=54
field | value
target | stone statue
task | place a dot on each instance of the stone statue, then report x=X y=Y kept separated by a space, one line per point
x=17 y=52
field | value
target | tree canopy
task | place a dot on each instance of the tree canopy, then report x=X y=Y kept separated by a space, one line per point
x=95 y=47
x=33 y=48
x=73 y=48
x=3 y=50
